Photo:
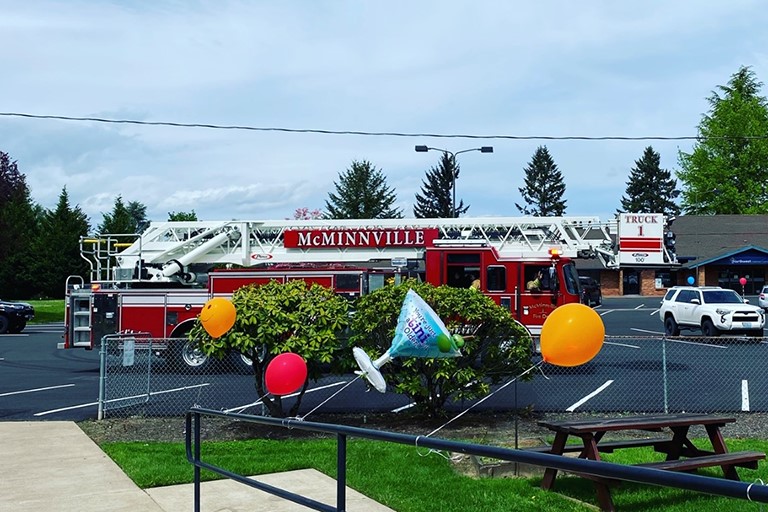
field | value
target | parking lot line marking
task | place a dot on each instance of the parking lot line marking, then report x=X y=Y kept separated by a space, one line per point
x=91 y=404
x=80 y=406
x=589 y=396
x=645 y=330
x=745 y=395
x=241 y=408
x=654 y=312
x=607 y=311
x=696 y=343
x=621 y=344
x=640 y=306
x=36 y=390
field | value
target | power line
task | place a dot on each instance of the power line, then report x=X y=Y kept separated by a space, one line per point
x=372 y=134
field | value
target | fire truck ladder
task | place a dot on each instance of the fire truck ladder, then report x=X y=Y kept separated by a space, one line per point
x=172 y=246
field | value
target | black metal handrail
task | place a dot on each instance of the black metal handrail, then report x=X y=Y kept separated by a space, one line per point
x=691 y=482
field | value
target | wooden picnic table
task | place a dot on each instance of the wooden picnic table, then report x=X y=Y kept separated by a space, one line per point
x=681 y=453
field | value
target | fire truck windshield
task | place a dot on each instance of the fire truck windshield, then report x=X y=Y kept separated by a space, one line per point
x=571 y=278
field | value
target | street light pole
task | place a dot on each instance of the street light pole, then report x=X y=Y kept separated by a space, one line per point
x=482 y=149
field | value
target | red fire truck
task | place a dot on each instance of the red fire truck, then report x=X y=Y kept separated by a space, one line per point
x=157 y=282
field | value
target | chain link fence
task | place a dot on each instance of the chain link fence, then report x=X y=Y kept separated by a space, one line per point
x=147 y=376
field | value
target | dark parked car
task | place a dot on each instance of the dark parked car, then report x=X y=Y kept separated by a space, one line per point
x=14 y=316
x=590 y=291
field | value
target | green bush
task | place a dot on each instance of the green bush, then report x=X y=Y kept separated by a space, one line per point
x=499 y=348
x=276 y=318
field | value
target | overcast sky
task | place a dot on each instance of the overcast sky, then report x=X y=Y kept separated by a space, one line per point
x=545 y=68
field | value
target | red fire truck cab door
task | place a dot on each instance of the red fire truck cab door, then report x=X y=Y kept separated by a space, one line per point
x=540 y=287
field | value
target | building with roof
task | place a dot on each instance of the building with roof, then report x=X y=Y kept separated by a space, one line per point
x=715 y=250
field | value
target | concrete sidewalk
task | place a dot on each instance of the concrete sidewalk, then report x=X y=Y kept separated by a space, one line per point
x=53 y=466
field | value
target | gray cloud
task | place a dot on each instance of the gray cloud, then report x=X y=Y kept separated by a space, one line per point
x=549 y=68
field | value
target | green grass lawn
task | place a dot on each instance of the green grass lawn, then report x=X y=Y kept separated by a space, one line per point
x=408 y=479
x=47 y=311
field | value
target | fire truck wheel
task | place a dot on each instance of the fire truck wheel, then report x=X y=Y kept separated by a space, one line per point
x=4 y=324
x=191 y=357
x=242 y=363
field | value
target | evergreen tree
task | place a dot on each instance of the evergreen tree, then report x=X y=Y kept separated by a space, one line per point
x=436 y=198
x=544 y=187
x=19 y=224
x=138 y=213
x=120 y=220
x=362 y=193
x=727 y=171
x=650 y=188
x=58 y=247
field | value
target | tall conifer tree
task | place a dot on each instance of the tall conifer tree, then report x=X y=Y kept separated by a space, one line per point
x=544 y=190
x=362 y=193
x=121 y=220
x=58 y=247
x=436 y=198
x=650 y=188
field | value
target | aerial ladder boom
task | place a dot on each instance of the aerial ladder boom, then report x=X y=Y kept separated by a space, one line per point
x=165 y=249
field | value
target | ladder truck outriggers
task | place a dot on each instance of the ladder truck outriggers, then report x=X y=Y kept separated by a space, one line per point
x=157 y=282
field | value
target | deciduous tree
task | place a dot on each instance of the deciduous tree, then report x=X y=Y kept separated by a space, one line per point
x=181 y=216
x=19 y=225
x=727 y=171
x=305 y=213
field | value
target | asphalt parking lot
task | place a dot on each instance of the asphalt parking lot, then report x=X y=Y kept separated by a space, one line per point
x=636 y=370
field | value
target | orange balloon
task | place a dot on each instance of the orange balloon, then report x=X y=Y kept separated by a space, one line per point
x=218 y=316
x=571 y=335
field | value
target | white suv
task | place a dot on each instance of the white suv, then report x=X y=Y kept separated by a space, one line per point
x=711 y=309
x=762 y=299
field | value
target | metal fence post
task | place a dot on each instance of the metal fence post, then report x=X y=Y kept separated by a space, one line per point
x=664 y=372
x=102 y=377
x=149 y=370
x=341 y=472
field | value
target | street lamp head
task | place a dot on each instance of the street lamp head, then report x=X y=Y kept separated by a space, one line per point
x=446 y=153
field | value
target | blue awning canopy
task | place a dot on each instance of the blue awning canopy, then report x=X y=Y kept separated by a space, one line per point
x=747 y=255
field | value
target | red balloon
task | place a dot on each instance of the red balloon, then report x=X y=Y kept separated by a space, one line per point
x=285 y=374
x=743 y=281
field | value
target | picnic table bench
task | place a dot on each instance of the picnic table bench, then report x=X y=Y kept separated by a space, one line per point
x=681 y=453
